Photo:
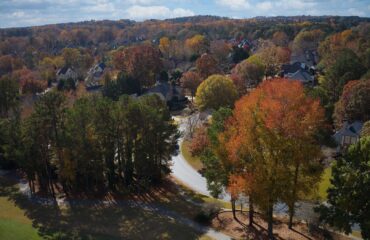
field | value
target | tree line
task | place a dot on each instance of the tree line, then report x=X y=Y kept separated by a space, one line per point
x=96 y=144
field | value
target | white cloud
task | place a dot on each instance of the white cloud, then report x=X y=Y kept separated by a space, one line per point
x=264 y=6
x=157 y=12
x=100 y=8
x=18 y=14
x=140 y=2
x=356 y=12
x=235 y=4
x=295 y=4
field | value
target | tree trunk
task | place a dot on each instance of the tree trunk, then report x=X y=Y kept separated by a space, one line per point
x=291 y=214
x=270 y=222
x=233 y=208
x=251 y=211
x=30 y=186
x=292 y=204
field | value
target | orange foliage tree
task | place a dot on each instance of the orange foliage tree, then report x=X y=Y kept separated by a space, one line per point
x=207 y=65
x=142 y=62
x=270 y=142
x=190 y=81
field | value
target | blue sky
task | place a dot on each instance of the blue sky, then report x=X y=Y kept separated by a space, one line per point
x=18 y=13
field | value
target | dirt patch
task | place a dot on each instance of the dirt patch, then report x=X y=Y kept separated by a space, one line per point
x=225 y=223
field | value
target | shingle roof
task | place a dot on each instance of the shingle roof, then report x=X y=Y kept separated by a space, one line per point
x=349 y=129
x=301 y=75
x=63 y=70
x=291 y=68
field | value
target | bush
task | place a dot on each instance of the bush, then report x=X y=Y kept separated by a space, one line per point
x=208 y=211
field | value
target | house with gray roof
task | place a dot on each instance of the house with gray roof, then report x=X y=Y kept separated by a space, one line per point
x=300 y=72
x=349 y=134
x=170 y=93
x=67 y=73
x=94 y=75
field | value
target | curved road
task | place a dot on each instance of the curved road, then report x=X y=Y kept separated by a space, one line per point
x=182 y=171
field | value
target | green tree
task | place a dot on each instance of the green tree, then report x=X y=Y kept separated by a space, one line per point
x=43 y=137
x=347 y=67
x=9 y=91
x=82 y=169
x=348 y=197
x=124 y=84
x=215 y=92
x=216 y=171
x=10 y=141
x=239 y=54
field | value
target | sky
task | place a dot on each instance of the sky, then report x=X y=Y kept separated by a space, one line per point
x=20 y=13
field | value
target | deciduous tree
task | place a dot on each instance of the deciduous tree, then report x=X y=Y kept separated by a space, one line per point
x=190 y=81
x=143 y=63
x=270 y=129
x=247 y=75
x=207 y=65
x=198 y=44
x=215 y=92
x=354 y=102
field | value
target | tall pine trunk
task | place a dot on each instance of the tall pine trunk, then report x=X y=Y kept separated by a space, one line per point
x=270 y=221
x=251 y=211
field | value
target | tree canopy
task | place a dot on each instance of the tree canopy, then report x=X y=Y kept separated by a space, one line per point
x=215 y=92
x=354 y=102
x=348 y=196
x=270 y=144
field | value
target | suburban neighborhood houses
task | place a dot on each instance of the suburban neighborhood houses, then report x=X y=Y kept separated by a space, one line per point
x=198 y=127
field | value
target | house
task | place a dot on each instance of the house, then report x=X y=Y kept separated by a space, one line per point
x=170 y=93
x=308 y=57
x=66 y=73
x=299 y=71
x=242 y=43
x=94 y=75
x=348 y=134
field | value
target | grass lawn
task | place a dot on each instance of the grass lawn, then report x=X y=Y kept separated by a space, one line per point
x=325 y=183
x=14 y=224
x=323 y=186
x=193 y=161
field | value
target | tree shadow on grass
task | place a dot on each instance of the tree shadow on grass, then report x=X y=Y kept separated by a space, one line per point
x=93 y=220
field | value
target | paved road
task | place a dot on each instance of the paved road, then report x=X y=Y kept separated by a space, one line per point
x=182 y=171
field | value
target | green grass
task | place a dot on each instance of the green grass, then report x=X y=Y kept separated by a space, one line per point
x=357 y=234
x=195 y=162
x=325 y=184
x=321 y=191
x=14 y=224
